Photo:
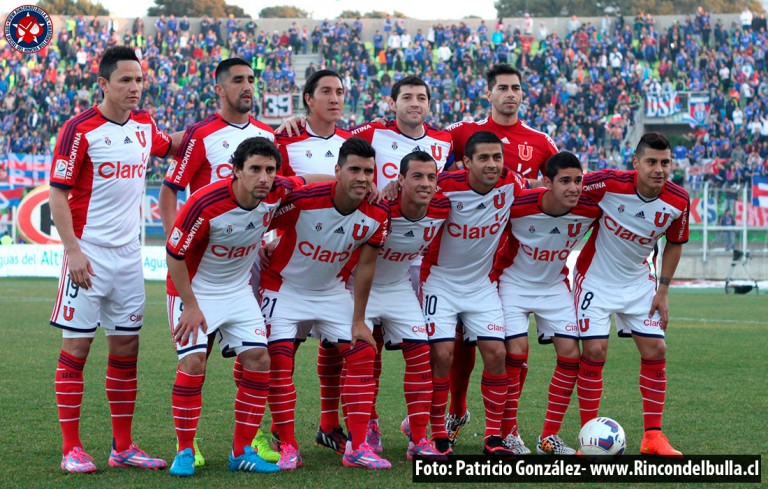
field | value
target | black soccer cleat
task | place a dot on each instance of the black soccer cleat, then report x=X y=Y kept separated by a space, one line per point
x=494 y=447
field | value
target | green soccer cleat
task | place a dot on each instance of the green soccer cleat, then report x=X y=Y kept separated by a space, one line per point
x=262 y=446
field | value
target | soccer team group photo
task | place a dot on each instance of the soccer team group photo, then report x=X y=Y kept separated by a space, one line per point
x=426 y=205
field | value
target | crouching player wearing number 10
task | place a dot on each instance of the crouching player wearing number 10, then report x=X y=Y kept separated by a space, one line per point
x=211 y=249
x=613 y=277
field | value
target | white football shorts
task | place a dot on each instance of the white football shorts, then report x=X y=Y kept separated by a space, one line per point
x=629 y=304
x=291 y=313
x=479 y=310
x=398 y=309
x=235 y=319
x=552 y=309
x=115 y=301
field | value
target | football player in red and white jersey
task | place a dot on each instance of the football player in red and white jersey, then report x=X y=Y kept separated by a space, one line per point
x=417 y=215
x=392 y=141
x=407 y=133
x=97 y=181
x=455 y=281
x=207 y=146
x=211 y=249
x=204 y=157
x=323 y=226
x=545 y=225
x=314 y=148
x=526 y=151
x=613 y=277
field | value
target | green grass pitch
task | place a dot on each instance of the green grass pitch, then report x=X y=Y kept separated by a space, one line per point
x=717 y=401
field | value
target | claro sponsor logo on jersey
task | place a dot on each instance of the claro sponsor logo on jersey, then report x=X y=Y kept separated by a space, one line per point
x=474 y=232
x=223 y=171
x=120 y=170
x=390 y=255
x=318 y=253
x=625 y=234
x=537 y=254
x=233 y=252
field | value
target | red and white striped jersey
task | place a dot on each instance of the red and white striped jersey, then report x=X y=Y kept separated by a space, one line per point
x=104 y=164
x=407 y=240
x=306 y=152
x=461 y=255
x=625 y=235
x=539 y=245
x=206 y=149
x=219 y=240
x=526 y=150
x=318 y=240
x=391 y=146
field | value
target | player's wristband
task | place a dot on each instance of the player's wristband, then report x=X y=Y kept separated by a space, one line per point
x=665 y=280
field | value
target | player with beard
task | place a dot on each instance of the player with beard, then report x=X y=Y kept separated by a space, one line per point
x=204 y=157
x=526 y=152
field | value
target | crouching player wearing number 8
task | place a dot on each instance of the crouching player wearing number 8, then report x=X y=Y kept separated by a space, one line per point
x=613 y=277
x=211 y=249
x=545 y=225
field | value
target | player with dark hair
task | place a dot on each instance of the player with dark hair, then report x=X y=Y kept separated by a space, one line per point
x=455 y=281
x=211 y=249
x=417 y=215
x=97 y=182
x=613 y=278
x=323 y=226
x=204 y=157
x=315 y=148
x=526 y=152
x=545 y=225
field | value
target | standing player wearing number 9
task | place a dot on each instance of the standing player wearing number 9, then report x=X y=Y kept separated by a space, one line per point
x=613 y=277
x=97 y=180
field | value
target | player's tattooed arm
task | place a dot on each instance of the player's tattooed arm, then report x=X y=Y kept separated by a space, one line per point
x=669 y=260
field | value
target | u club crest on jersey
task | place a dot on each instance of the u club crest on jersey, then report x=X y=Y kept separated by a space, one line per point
x=525 y=152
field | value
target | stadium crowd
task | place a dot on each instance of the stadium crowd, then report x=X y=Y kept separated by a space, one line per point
x=583 y=89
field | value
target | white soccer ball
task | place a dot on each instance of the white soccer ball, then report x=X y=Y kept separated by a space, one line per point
x=602 y=436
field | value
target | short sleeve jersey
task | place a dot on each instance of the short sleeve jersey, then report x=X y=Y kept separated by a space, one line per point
x=206 y=149
x=535 y=256
x=625 y=235
x=104 y=165
x=307 y=152
x=407 y=240
x=219 y=240
x=526 y=150
x=391 y=146
x=462 y=254
x=318 y=240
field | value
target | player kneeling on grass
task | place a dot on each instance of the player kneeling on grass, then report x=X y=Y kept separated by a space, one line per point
x=545 y=225
x=211 y=249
